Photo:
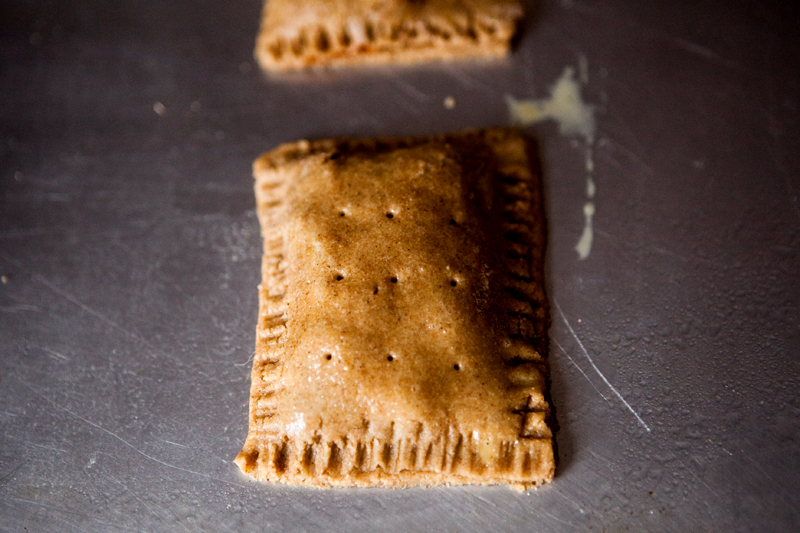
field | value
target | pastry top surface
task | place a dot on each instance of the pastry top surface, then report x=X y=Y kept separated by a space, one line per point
x=391 y=307
x=397 y=294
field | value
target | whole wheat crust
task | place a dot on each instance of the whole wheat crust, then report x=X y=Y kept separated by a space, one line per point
x=401 y=333
x=302 y=33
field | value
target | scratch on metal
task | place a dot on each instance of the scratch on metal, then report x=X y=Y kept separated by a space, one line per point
x=248 y=360
x=10 y=474
x=409 y=89
x=586 y=353
x=125 y=442
x=579 y=369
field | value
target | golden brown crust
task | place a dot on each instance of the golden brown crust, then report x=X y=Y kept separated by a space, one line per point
x=302 y=33
x=401 y=332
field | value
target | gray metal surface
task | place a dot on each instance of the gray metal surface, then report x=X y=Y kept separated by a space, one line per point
x=130 y=254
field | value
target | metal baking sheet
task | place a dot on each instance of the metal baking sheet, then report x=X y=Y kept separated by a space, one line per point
x=129 y=255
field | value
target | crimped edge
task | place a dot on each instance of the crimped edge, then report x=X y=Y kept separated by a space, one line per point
x=372 y=38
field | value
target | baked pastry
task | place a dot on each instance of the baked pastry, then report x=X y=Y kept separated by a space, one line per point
x=301 y=33
x=402 y=324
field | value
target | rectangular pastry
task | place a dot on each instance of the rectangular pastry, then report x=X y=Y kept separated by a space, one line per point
x=402 y=324
x=301 y=33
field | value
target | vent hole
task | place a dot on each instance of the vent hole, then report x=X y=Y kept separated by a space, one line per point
x=453 y=283
x=328 y=357
x=390 y=358
x=393 y=280
x=339 y=277
x=389 y=215
x=375 y=290
x=453 y=222
x=341 y=213
x=456 y=367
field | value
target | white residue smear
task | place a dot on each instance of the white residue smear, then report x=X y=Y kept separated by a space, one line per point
x=575 y=118
x=565 y=105
x=584 y=245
